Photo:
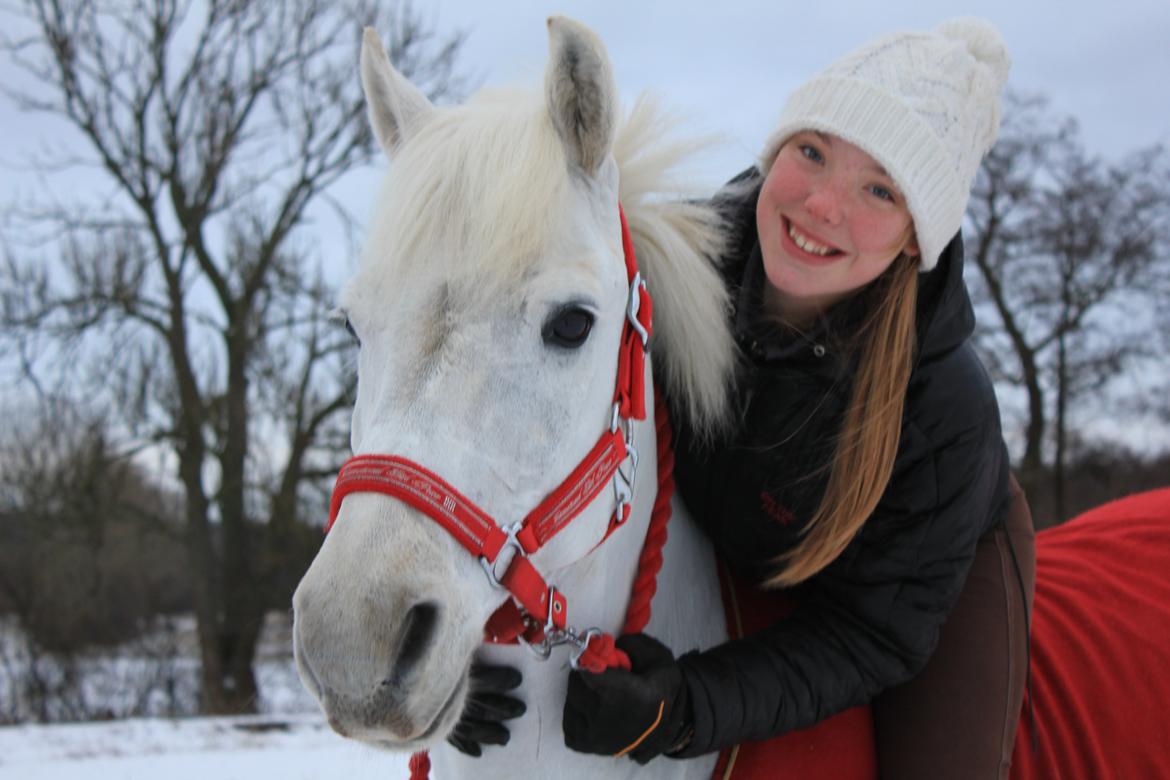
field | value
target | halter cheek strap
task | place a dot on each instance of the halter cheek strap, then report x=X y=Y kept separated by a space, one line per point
x=537 y=612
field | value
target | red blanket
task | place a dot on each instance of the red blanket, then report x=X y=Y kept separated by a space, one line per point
x=1101 y=646
x=1100 y=651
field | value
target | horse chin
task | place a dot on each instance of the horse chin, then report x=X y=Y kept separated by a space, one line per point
x=440 y=725
x=433 y=734
x=393 y=718
x=304 y=671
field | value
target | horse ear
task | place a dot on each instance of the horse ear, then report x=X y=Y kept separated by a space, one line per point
x=394 y=104
x=581 y=93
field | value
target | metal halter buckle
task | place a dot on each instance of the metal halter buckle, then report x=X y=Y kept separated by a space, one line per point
x=623 y=485
x=582 y=643
x=489 y=568
x=637 y=284
x=568 y=636
x=632 y=456
x=623 y=492
x=553 y=636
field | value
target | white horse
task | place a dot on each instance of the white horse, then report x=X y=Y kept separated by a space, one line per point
x=489 y=305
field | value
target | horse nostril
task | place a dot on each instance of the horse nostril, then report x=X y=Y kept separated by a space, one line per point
x=418 y=627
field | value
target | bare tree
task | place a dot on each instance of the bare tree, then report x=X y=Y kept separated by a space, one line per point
x=1066 y=251
x=73 y=510
x=218 y=128
x=88 y=555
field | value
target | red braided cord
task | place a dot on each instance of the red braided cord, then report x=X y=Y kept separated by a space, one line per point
x=601 y=654
x=650 y=562
x=420 y=765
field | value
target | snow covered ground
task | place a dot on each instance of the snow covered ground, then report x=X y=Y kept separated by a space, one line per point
x=252 y=748
x=289 y=741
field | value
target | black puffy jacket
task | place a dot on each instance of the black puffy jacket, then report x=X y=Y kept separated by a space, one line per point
x=871 y=619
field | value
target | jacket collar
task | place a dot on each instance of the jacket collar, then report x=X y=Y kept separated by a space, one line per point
x=945 y=317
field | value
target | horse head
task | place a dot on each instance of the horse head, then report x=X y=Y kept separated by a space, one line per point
x=489 y=305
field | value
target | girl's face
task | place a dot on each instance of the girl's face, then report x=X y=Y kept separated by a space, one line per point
x=830 y=221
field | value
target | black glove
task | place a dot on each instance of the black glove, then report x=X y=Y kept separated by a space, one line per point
x=643 y=712
x=486 y=707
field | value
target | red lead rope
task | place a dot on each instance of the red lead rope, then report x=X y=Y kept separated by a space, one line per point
x=649 y=562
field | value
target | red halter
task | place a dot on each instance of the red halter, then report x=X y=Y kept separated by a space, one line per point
x=537 y=612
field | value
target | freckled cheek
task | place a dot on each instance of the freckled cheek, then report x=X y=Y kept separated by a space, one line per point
x=878 y=233
x=784 y=187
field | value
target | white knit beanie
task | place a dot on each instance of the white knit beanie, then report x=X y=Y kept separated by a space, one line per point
x=926 y=106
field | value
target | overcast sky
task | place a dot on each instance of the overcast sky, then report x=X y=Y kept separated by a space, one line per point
x=730 y=64
x=727 y=66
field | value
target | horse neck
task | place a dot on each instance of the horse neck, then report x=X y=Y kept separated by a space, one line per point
x=686 y=613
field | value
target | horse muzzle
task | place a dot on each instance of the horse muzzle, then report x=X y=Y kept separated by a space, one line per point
x=382 y=636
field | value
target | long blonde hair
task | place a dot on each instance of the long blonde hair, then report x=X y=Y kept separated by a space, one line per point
x=868 y=440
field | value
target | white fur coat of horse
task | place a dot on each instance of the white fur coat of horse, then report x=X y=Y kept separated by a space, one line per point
x=498 y=224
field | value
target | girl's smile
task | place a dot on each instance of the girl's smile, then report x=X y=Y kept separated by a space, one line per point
x=803 y=245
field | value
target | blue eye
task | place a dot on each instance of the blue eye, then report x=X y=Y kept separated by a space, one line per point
x=811 y=152
x=883 y=193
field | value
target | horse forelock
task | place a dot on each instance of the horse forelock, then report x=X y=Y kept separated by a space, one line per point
x=469 y=196
x=679 y=237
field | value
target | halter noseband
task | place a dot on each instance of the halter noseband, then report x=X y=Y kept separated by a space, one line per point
x=536 y=613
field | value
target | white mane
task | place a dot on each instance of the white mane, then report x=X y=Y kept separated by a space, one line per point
x=677 y=239
x=478 y=182
x=475 y=181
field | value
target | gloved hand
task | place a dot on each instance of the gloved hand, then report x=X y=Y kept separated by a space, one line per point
x=486 y=708
x=641 y=713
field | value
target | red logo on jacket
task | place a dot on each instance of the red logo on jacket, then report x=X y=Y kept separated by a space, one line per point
x=775 y=510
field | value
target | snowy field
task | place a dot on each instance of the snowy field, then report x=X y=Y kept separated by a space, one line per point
x=290 y=748
x=289 y=740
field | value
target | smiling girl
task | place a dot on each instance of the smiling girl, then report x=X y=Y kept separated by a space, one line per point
x=865 y=468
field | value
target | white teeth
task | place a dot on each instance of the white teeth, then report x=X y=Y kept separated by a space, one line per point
x=807 y=244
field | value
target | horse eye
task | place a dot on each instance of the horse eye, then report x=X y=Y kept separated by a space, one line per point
x=352 y=332
x=568 y=328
